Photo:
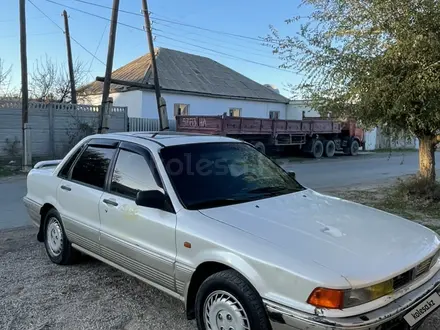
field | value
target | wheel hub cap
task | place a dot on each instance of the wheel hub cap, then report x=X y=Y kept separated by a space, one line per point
x=222 y=311
x=54 y=236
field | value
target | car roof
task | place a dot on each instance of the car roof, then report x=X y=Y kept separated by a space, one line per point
x=166 y=138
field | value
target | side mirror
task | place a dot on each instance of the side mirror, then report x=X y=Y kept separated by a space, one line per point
x=292 y=175
x=151 y=198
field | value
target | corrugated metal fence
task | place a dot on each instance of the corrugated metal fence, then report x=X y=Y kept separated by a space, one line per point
x=147 y=124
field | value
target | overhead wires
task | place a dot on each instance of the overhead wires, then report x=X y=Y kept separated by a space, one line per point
x=59 y=27
x=212 y=50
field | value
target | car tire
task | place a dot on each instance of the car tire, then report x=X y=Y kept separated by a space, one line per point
x=58 y=247
x=317 y=149
x=329 y=148
x=226 y=299
x=260 y=147
x=354 y=148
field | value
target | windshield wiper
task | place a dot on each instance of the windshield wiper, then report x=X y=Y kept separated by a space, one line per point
x=268 y=190
x=218 y=202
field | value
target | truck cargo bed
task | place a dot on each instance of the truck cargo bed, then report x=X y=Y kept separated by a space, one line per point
x=224 y=125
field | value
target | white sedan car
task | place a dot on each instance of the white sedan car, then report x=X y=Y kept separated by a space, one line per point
x=218 y=225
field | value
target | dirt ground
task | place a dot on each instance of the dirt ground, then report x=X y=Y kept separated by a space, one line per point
x=36 y=294
x=387 y=197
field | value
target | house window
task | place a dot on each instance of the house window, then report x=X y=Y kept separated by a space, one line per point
x=235 y=112
x=274 y=114
x=181 y=109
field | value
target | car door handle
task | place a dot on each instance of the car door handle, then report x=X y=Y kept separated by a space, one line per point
x=66 y=188
x=110 y=202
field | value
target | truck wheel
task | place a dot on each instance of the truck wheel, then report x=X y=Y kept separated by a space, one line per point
x=354 y=148
x=57 y=245
x=226 y=301
x=329 y=148
x=317 y=149
x=260 y=147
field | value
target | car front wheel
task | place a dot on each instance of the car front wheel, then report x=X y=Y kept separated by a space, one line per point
x=57 y=245
x=227 y=301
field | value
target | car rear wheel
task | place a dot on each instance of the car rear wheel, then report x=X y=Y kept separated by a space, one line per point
x=329 y=148
x=227 y=301
x=58 y=247
x=354 y=148
x=260 y=147
x=317 y=149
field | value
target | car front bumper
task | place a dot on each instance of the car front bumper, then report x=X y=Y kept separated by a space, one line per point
x=387 y=317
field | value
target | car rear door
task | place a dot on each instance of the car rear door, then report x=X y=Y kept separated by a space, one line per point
x=80 y=191
x=140 y=239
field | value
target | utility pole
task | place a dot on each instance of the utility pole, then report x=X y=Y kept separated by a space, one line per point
x=69 y=58
x=105 y=104
x=161 y=104
x=26 y=143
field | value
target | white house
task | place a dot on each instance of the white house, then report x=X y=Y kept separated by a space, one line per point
x=198 y=85
x=298 y=109
x=190 y=84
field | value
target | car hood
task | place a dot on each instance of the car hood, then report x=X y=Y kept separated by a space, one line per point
x=358 y=242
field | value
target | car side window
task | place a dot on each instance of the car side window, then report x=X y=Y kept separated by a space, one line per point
x=133 y=173
x=91 y=168
x=65 y=170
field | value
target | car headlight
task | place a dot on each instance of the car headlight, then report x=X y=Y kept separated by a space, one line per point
x=435 y=259
x=339 y=299
x=361 y=296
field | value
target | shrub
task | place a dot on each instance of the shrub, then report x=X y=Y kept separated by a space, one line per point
x=418 y=188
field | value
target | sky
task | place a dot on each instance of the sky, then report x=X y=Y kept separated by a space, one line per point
x=249 y=18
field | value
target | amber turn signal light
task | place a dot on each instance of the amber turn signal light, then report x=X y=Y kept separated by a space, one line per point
x=327 y=298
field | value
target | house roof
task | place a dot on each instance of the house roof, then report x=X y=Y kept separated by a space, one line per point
x=190 y=74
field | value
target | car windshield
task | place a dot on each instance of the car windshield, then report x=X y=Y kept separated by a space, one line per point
x=209 y=175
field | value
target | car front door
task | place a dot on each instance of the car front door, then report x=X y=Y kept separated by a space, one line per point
x=80 y=191
x=138 y=238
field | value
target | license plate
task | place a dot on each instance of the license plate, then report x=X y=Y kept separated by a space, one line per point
x=423 y=309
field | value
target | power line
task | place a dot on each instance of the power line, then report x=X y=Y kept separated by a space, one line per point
x=208 y=30
x=242 y=45
x=14 y=20
x=30 y=34
x=170 y=38
x=206 y=52
x=94 y=15
x=217 y=45
x=232 y=56
x=59 y=27
x=97 y=48
x=107 y=7
x=175 y=22
x=120 y=23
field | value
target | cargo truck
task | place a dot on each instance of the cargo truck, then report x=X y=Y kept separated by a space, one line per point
x=316 y=137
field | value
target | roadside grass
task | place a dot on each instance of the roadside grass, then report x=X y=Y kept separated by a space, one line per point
x=6 y=171
x=411 y=198
x=395 y=150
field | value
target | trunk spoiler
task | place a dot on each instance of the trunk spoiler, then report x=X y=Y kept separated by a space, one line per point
x=47 y=163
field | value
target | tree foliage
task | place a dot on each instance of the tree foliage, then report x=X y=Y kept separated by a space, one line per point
x=377 y=61
x=49 y=81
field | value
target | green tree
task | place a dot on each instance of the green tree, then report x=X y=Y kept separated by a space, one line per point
x=375 y=60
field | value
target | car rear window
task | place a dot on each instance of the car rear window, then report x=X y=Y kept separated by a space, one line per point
x=91 y=168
